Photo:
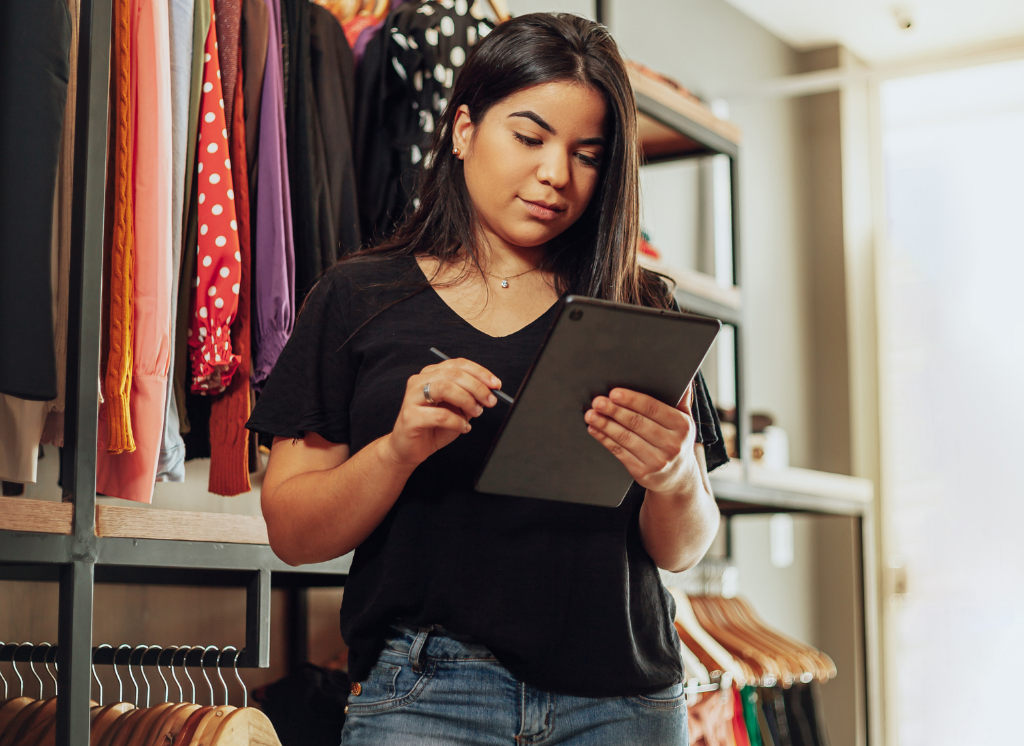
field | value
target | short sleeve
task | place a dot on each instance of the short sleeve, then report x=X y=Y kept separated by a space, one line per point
x=310 y=387
x=705 y=417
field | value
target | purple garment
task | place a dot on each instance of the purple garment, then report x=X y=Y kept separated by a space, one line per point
x=367 y=33
x=363 y=39
x=274 y=249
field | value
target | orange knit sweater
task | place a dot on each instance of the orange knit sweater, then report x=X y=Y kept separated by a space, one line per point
x=118 y=375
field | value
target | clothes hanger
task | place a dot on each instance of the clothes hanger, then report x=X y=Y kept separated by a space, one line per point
x=214 y=717
x=696 y=670
x=42 y=726
x=500 y=8
x=246 y=726
x=826 y=667
x=174 y=719
x=132 y=722
x=18 y=722
x=116 y=716
x=11 y=706
x=721 y=657
x=103 y=716
x=764 y=666
x=800 y=662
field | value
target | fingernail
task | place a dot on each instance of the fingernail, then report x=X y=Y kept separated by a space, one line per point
x=479 y=410
x=492 y=400
x=589 y=415
x=599 y=404
x=467 y=427
x=616 y=395
x=496 y=384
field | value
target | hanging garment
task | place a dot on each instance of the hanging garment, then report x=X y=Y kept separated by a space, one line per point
x=334 y=83
x=119 y=244
x=190 y=229
x=307 y=170
x=229 y=39
x=359 y=47
x=53 y=430
x=218 y=265
x=710 y=720
x=171 y=464
x=254 y=62
x=35 y=40
x=405 y=81
x=804 y=715
x=739 y=726
x=131 y=474
x=229 y=438
x=748 y=702
x=274 y=254
x=24 y=423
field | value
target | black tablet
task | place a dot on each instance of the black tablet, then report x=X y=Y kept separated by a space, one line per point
x=543 y=448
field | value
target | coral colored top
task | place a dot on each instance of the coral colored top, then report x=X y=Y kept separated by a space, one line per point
x=219 y=265
x=131 y=475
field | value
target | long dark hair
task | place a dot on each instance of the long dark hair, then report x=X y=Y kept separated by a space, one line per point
x=597 y=255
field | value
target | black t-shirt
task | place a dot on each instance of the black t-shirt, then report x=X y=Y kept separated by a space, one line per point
x=564 y=594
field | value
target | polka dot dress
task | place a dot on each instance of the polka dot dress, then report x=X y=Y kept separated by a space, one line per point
x=219 y=268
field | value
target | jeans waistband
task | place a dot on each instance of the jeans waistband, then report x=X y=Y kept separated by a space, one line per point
x=433 y=642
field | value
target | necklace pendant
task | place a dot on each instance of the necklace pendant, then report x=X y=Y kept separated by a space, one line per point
x=504 y=283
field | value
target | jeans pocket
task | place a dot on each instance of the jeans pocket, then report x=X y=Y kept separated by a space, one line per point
x=389 y=686
x=669 y=698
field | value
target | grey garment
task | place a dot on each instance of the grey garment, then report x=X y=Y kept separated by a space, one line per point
x=171 y=464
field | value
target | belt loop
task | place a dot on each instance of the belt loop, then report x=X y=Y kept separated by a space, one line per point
x=417 y=652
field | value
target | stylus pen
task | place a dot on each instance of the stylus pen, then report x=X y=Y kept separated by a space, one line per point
x=500 y=394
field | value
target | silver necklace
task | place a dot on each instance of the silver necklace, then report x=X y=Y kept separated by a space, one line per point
x=505 y=278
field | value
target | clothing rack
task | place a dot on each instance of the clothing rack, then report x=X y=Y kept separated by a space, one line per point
x=73 y=544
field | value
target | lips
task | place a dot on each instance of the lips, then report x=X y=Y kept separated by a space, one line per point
x=543 y=210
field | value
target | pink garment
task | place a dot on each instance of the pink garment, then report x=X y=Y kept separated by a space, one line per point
x=132 y=475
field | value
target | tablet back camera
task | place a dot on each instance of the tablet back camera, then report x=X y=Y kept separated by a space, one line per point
x=576 y=314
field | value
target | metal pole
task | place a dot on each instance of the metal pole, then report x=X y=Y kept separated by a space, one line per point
x=78 y=463
x=298 y=628
x=74 y=675
x=257 y=620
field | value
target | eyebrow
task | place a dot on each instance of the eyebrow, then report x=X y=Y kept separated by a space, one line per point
x=539 y=121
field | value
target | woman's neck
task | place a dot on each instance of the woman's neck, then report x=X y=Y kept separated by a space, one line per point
x=499 y=257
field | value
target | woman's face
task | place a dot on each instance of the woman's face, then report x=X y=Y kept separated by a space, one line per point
x=532 y=164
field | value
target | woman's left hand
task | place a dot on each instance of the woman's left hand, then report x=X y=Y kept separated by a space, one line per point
x=654 y=441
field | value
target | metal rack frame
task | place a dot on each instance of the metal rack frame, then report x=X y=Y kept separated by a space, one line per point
x=81 y=559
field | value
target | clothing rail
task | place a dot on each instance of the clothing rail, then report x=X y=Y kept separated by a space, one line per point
x=141 y=656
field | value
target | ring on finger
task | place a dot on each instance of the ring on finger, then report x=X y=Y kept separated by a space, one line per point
x=426 y=394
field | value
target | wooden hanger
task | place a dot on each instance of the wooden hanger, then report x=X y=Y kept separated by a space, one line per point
x=500 y=9
x=740 y=647
x=686 y=618
x=796 y=659
x=208 y=726
x=824 y=665
x=692 y=665
x=104 y=717
x=172 y=724
x=188 y=729
x=10 y=710
x=246 y=726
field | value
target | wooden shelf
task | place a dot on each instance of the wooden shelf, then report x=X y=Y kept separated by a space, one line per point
x=673 y=126
x=179 y=525
x=35 y=516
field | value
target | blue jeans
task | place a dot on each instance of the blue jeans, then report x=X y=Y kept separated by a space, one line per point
x=428 y=689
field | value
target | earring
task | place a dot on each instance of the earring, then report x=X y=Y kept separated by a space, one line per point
x=455 y=151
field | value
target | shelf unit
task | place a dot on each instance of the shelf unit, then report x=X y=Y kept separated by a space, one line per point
x=674 y=127
x=78 y=543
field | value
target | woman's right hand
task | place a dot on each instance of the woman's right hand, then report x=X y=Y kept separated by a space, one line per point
x=460 y=389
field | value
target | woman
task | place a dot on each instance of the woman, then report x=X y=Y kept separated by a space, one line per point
x=475 y=618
